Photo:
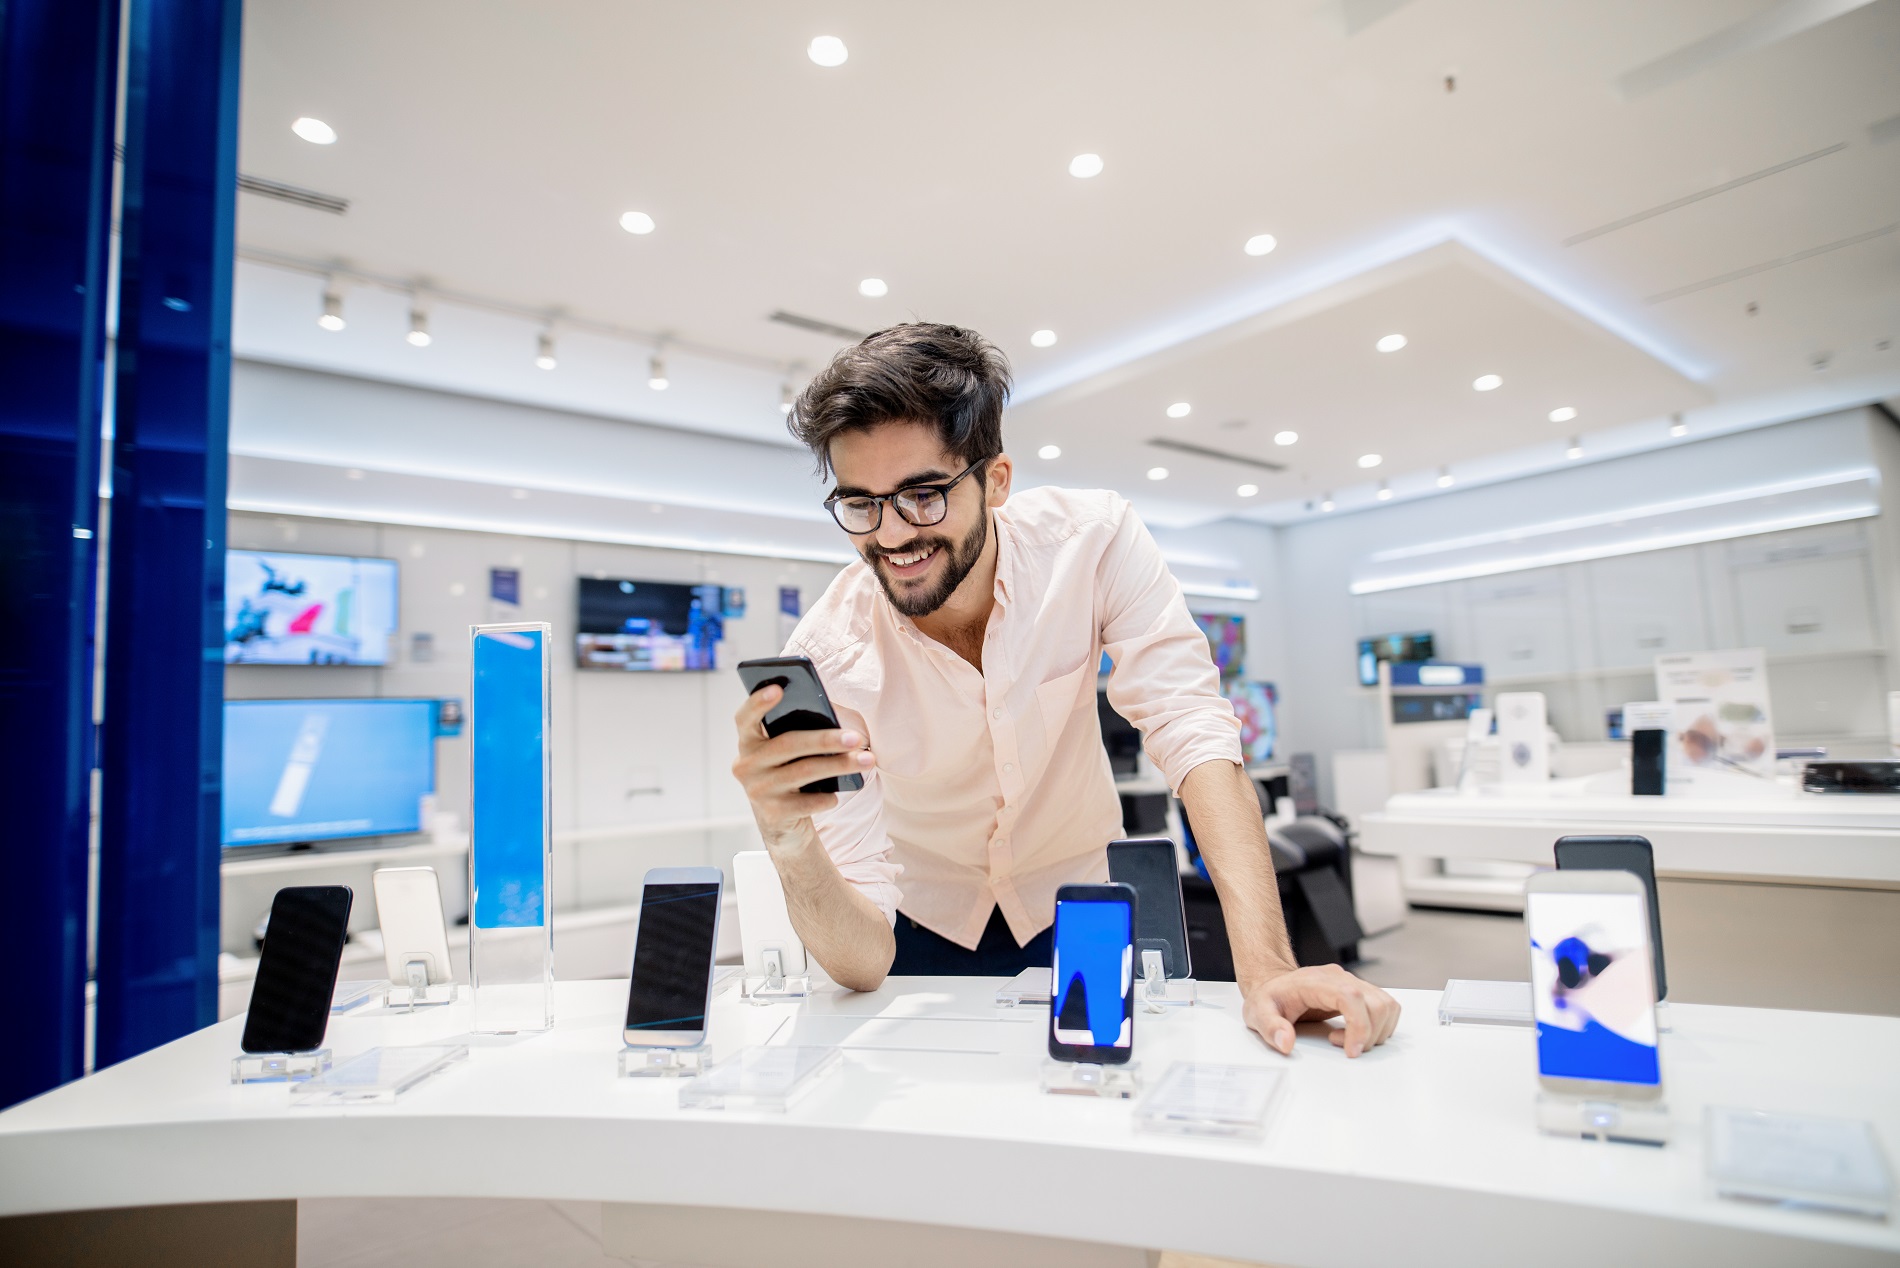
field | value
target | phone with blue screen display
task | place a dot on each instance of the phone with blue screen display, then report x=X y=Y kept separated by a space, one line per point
x=1593 y=985
x=1092 y=979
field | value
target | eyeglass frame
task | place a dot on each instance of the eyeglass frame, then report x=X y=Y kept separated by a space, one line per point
x=882 y=499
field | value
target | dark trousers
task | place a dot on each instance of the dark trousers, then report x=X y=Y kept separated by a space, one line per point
x=921 y=953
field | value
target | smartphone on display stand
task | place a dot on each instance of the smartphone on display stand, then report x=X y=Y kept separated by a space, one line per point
x=803 y=707
x=1621 y=854
x=673 y=957
x=296 y=974
x=409 y=909
x=1092 y=980
x=1593 y=985
x=1147 y=864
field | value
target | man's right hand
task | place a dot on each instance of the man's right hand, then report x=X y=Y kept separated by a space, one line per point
x=772 y=770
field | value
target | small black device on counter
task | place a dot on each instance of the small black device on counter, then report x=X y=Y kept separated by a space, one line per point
x=1646 y=763
x=803 y=707
x=1148 y=866
x=1875 y=775
x=296 y=974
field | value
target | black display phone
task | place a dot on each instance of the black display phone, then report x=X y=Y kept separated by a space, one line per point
x=673 y=955
x=804 y=707
x=296 y=975
x=1092 y=976
x=1147 y=865
x=1646 y=762
x=1620 y=854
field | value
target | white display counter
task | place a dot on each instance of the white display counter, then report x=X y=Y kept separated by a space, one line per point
x=1422 y=1152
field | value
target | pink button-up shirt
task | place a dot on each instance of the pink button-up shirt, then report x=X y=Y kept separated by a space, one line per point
x=992 y=788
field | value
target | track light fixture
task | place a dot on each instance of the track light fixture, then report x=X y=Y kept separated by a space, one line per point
x=544 y=358
x=1575 y=450
x=656 y=373
x=785 y=397
x=1326 y=502
x=418 y=335
x=331 y=318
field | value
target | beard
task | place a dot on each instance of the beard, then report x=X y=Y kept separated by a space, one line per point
x=959 y=559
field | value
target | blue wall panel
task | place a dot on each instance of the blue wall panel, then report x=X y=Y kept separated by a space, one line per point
x=58 y=72
x=158 y=896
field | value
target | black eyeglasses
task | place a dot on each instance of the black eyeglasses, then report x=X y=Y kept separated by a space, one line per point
x=919 y=504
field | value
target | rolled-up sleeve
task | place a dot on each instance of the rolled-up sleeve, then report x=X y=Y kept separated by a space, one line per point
x=1163 y=678
x=853 y=834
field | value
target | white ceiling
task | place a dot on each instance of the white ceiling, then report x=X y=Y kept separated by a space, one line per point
x=489 y=149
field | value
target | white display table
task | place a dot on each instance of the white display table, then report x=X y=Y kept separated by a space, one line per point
x=1422 y=1152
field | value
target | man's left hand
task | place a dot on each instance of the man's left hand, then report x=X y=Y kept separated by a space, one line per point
x=1319 y=993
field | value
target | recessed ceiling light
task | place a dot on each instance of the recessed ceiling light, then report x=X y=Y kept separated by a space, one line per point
x=1049 y=451
x=1043 y=339
x=1085 y=165
x=1180 y=409
x=636 y=222
x=874 y=288
x=827 y=50
x=1486 y=383
x=1390 y=343
x=1563 y=414
x=331 y=318
x=315 y=131
x=1247 y=490
x=1576 y=449
x=1445 y=480
x=656 y=373
x=1157 y=473
x=1370 y=460
x=1260 y=244
x=1286 y=438
x=1385 y=491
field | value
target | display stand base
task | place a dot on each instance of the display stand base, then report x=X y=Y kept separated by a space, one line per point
x=378 y=1076
x=348 y=995
x=770 y=1080
x=1193 y=1099
x=767 y=990
x=1625 y=1122
x=1085 y=1078
x=1031 y=986
x=406 y=998
x=661 y=1063
x=1158 y=991
x=279 y=1067
x=1471 y=1002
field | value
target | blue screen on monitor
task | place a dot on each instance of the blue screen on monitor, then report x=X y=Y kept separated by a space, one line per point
x=320 y=770
x=290 y=609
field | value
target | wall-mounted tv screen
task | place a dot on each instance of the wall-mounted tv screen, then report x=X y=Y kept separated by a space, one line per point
x=1392 y=647
x=1226 y=639
x=322 y=770
x=649 y=625
x=1253 y=704
x=287 y=609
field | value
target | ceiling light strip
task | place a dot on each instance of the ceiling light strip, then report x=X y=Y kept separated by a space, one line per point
x=1205 y=590
x=1751 y=270
x=508 y=308
x=1699 y=195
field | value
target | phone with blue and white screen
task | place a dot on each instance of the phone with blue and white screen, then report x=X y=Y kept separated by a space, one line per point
x=1092 y=979
x=1593 y=985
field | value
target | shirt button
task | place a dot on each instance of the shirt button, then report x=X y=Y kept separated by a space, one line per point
x=996 y=713
x=1008 y=767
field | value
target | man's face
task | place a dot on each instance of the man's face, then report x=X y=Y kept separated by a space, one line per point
x=919 y=567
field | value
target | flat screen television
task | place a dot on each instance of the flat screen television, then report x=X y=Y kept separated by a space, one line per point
x=325 y=770
x=649 y=625
x=1226 y=639
x=290 y=609
x=1253 y=704
x=1392 y=647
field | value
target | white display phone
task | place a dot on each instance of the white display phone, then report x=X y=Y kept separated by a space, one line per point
x=765 y=926
x=673 y=957
x=409 y=908
x=1593 y=985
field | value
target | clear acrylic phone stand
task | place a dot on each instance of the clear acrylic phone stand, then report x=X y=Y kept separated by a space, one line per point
x=416 y=992
x=771 y=1080
x=1158 y=991
x=774 y=987
x=378 y=1076
x=1031 y=986
x=1194 y=1099
x=1625 y=1122
x=1086 y=1078
x=661 y=1063
x=279 y=1067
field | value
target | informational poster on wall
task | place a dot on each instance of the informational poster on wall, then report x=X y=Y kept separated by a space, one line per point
x=1721 y=729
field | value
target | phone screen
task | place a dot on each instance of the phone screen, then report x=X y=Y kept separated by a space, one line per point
x=1592 y=988
x=672 y=957
x=1093 y=976
x=296 y=975
x=803 y=707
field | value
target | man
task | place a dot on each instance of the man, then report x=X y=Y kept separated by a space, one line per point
x=961 y=653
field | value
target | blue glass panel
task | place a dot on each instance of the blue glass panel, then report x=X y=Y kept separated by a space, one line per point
x=509 y=715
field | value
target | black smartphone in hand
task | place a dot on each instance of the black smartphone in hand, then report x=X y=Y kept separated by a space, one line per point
x=296 y=976
x=803 y=707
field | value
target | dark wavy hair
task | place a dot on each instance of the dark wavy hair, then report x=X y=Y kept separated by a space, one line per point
x=924 y=372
